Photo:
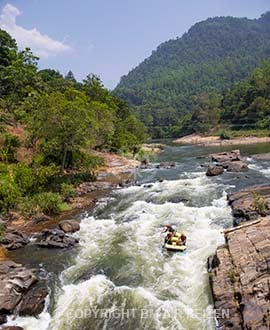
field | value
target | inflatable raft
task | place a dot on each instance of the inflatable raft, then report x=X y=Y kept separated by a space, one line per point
x=173 y=246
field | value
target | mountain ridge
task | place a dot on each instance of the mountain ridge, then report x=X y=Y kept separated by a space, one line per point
x=211 y=56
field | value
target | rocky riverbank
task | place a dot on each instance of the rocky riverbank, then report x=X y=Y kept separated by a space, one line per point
x=250 y=203
x=22 y=291
x=240 y=270
x=117 y=170
x=215 y=141
x=240 y=277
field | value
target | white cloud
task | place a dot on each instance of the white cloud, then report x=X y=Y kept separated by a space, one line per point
x=41 y=44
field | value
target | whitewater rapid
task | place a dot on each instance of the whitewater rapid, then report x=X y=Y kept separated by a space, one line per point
x=123 y=279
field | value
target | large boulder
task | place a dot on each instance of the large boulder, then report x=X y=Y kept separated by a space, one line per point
x=33 y=302
x=223 y=157
x=251 y=203
x=69 y=226
x=214 y=170
x=231 y=161
x=20 y=290
x=55 y=238
x=3 y=319
x=235 y=166
x=240 y=277
x=14 y=240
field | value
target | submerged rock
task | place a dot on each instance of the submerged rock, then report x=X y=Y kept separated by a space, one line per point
x=240 y=277
x=14 y=240
x=251 y=203
x=214 y=170
x=166 y=165
x=265 y=156
x=55 y=238
x=69 y=226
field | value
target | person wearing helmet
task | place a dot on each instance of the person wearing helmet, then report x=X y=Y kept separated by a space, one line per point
x=170 y=233
x=168 y=229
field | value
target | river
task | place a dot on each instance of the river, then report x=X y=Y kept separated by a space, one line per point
x=120 y=277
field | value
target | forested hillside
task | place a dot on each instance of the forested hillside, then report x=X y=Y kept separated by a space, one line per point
x=208 y=59
x=48 y=126
x=244 y=108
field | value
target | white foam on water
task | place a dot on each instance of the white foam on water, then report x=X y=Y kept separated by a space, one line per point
x=261 y=169
x=41 y=322
x=174 y=288
x=266 y=172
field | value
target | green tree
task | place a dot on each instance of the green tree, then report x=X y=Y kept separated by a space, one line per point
x=61 y=125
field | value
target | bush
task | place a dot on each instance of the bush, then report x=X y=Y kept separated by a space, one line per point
x=44 y=175
x=9 y=194
x=9 y=143
x=2 y=232
x=67 y=191
x=85 y=161
x=23 y=177
x=260 y=204
x=225 y=135
x=47 y=202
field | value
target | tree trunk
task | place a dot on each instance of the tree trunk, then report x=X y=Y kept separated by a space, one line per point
x=64 y=159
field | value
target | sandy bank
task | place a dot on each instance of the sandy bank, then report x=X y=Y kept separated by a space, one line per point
x=214 y=141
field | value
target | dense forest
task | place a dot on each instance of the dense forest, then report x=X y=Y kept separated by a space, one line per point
x=49 y=124
x=242 y=109
x=209 y=59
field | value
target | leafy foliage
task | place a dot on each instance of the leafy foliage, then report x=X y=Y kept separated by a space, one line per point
x=59 y=122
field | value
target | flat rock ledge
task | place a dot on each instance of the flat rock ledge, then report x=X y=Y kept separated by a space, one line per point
x=240 y=277
x=14 y=240
x=250 y=203
x=21 y=291
x=56 y=239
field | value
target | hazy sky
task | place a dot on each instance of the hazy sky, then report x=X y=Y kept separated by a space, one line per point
x=108 y=37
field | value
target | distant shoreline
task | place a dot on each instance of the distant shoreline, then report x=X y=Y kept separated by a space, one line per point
x=215 y=141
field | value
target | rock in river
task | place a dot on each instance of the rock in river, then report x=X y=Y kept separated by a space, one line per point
x=21 y=291
x=14 y=240
x=55 y=238
x=69 y=226
x=33 y=301
x=214 y=170
x=240 y=277
x=231 y=161
x=235 y=166
x=223 y=157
